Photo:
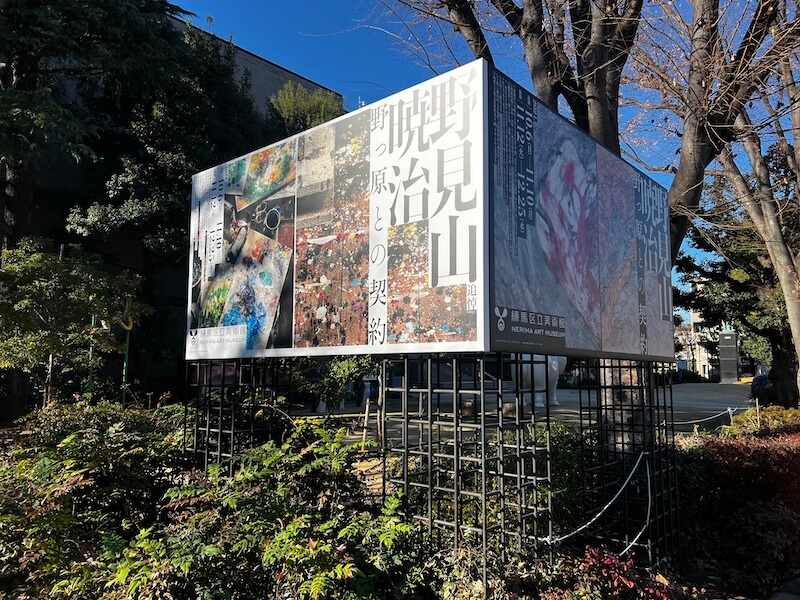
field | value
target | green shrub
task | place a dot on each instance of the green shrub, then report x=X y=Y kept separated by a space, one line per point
x=97 y=503
x=764 y=420
x=79 y=482
x=566 y=455
x=295 y=520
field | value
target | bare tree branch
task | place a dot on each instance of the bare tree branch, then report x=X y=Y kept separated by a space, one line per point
x=463 y=18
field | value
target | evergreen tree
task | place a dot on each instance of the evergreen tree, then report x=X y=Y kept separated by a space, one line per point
x=204 y=117
x=51 y=52
x=48 y=300
x=738 y=284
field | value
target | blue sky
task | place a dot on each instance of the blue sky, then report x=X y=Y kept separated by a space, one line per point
x=336 y=43
x=331 y=42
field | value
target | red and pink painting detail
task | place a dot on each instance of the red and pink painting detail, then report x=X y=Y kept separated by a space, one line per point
x=567 y=232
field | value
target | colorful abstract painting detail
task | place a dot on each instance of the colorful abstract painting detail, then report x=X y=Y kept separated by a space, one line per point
x=268 y=171
x=248 y=292
x=332 y=244
x=235 y=176
x=566 y=221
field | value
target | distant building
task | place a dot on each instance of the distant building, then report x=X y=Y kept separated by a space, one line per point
x=714 y=350
x=704 y=358
x=267 y=78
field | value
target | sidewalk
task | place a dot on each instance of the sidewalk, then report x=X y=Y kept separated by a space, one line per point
x=691 y=402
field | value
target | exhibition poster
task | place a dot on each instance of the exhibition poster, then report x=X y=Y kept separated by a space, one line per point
x=580 y=239
x=459 y=215
x=361 y=235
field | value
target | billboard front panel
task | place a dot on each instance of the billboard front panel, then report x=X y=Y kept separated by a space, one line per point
x=363 y=235
x=332 y=246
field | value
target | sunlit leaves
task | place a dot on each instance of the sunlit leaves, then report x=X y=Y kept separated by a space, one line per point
x=49 y=298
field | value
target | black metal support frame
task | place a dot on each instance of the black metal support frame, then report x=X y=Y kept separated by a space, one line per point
x=232 y=405
x=467 y=440
x=468 y=450
x=627 y=435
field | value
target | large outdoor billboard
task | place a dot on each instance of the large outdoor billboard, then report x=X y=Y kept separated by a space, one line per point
x=458 y=215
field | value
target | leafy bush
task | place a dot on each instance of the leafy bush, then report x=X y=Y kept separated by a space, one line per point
x=293 y=520
x=96 y=502
x=81 y=480
x=741 y=508
x=329 y=379
x=45 y=306
x=566 y=455
x=764 y=420
x=600 y=574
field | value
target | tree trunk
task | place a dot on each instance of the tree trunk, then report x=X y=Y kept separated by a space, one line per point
x=696 y=147
x=48 y=384
x=782 y=372
x=790 y=283
x=759 y=201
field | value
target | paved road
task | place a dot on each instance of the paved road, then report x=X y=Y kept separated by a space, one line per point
x=697 y=400
x=691 y=402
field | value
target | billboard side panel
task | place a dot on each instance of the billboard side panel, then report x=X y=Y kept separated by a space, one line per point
x=618 y=273
x=654 y=268
x=580 y=253
x=542 y=303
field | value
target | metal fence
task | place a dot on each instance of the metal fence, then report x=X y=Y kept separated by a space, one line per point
x=233 y=405
x=629 y=455
x=468 y=440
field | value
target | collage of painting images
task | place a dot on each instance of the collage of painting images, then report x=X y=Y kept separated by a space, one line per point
x=296 y=252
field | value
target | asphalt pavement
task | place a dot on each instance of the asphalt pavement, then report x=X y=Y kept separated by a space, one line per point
x=705 y=405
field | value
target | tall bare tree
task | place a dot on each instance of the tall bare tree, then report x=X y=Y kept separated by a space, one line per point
x=768 y=214
x=578 y=51
x=575 y=51
x=695 y=68
x=727 y=87
x=705 y=62
x=737 y=282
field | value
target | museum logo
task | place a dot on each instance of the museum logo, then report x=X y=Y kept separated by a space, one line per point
x=501 y=313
